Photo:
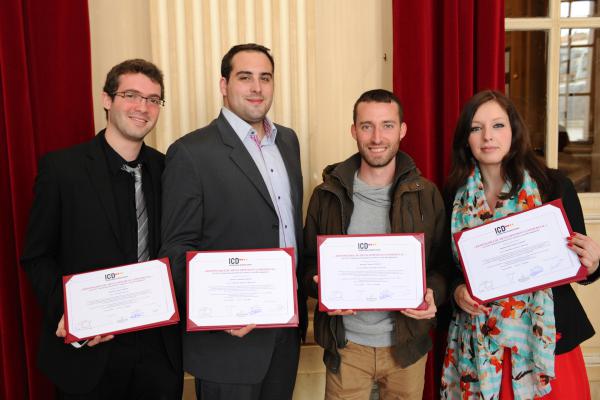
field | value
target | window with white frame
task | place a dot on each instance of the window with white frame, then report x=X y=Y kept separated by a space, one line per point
x=552 y=74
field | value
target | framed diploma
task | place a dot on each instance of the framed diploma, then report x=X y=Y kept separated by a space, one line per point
x=371 y=272
x=119 y=299
x=234 y=288
x=517 y=254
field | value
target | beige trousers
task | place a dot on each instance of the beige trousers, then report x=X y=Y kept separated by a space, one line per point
x=363 y=365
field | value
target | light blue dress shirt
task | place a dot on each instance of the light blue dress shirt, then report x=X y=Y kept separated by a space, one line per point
x=268 y=160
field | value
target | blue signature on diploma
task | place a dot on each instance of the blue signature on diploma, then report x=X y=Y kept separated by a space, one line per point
x=255 y=310
x=252 y=311
x=536 y=270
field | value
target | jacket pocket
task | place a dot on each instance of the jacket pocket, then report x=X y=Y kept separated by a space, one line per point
x=410 y=328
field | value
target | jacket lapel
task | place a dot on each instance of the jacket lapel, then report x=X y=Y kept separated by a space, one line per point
x=97 y=170
x=291 y=165
x=240 y=156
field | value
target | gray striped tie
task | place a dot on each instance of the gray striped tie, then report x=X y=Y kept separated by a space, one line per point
x=142 y=215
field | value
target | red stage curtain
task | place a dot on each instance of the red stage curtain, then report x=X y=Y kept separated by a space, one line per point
x=45 y=103
x=444 y=52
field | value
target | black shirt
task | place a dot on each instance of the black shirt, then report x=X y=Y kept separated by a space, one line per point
x=123 y=184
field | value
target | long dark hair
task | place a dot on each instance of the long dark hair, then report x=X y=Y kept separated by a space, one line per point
x=520 y=157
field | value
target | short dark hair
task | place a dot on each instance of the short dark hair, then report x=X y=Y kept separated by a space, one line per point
x=133 y=66
x=226 y=65
x=378 y=96
x=519 y=158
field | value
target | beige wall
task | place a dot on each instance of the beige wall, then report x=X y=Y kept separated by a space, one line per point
x=350 y=39
x=119 y=30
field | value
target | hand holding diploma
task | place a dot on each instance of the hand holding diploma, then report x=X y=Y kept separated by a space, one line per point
x=467 y=303
x=416 y=314
x=372 y=272
x=62 y=332
x=237 y=291
x=242 y=331
x=103 y=302
x=522 y=253
x=335 y=312
x=586 y=249
x=428 y=313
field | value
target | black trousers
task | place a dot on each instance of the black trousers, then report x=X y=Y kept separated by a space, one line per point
x=278 y=383
x=138 y=368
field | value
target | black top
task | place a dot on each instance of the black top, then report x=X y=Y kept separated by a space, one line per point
x=572 y=323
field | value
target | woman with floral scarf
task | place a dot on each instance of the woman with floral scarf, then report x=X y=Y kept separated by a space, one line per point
x=524 y=346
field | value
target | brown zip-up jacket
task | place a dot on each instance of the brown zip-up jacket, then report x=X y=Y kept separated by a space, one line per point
x=417 y=206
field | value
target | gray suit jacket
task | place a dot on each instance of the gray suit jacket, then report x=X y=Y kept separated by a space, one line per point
x=214 y=198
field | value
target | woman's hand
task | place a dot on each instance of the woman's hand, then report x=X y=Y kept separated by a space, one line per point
x=466 y=302
x=586 y=249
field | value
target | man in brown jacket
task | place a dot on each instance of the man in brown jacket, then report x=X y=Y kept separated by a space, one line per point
x=376 y=191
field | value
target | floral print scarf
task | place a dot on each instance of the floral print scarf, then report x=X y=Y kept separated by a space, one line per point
x=524 y=323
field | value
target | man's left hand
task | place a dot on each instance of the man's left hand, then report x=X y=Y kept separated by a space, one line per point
x=423 y=314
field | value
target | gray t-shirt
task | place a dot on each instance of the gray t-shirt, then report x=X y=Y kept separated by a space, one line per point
x=371 y=215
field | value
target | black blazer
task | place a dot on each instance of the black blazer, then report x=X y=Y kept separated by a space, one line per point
x=572 y=322
x=214 y=198
x=73 y=228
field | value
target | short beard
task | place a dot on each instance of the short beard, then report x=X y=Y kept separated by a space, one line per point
x=380 y=163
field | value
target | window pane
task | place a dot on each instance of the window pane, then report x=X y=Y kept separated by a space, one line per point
x=526 y=81
x=579 y=131
x=578 y=8
x=575 y=70
x=525 y=8
x=576 y=37
x=574 y=117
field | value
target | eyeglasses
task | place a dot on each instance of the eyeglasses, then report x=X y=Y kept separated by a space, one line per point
x=136 y=98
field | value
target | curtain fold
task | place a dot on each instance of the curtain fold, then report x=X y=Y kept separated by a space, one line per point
x=45 y=104
x=444 y=52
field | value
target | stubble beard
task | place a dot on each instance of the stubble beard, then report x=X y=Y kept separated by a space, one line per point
x=378 y=162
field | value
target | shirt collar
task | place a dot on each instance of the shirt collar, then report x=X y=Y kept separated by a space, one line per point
x=244 y=130
x=115 y=161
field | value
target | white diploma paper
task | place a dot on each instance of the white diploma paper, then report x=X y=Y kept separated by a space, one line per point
x=119 y=299
x=517 y=254
x=371 y=272
x=228 y=289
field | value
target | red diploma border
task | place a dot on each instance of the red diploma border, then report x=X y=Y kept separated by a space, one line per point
x=172 y=320
x=192 y=326
x=580 y=275
x=419 y=236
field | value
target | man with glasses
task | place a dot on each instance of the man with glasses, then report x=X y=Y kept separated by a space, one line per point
x=237 y=184
x=97 y=205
